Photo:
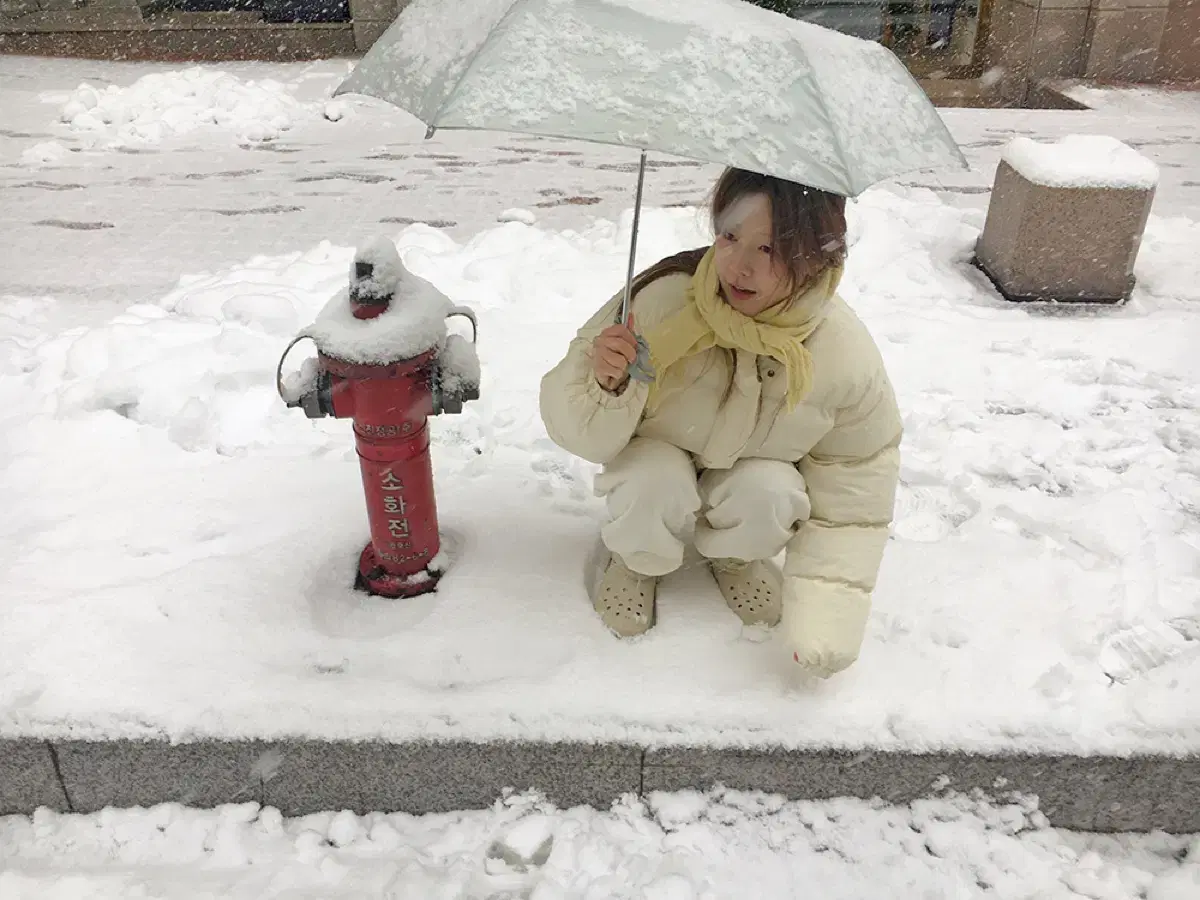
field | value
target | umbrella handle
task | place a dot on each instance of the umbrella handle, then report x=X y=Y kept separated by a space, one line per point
x=637 y=218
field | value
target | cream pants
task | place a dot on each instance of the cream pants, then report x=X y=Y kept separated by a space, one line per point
x=657 y=503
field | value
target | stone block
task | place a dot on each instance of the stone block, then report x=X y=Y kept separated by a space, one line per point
x=1058 y=43
x=1065 y=221
x=1102 y=5
x=367 y=32
x=144 y=773
x=440 y=777
x=28 y=779
x=373 y=10
x=1123 y=45
x=16 y=9
x=1179 y=54
x=1162 y=792
x=98 y=19
x=1086 y=793
x=1045 y=5
x=1010 y=47
x=276 y=43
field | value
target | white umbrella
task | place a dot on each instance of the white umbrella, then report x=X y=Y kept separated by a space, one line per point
x=719 y=81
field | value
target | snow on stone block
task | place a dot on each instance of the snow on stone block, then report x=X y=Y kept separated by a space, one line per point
x=1065 y=220
x=1082 y=161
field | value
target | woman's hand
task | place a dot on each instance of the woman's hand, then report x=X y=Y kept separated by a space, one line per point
x=612 y=352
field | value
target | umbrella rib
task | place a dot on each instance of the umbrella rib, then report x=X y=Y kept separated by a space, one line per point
x=433 y=125
x=837 y=144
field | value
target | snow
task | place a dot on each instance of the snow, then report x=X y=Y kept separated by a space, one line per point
x=162 y=105
x=1082 y=161
x=1138 y=649
x=716 y=80
x=177 y=546
x=1049 y=488
x=528 y=840
x=729 y=844
x=459 y=364
x=1135 y=100
x=44 y=154
x=413 y=323
x=302 y=381
x=524 y=216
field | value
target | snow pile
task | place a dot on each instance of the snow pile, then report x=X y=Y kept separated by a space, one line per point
x=163 y=104
x=1082 y=161
x=685 y=846
x=517 y=214
x=1049 y=500
x=46 y=153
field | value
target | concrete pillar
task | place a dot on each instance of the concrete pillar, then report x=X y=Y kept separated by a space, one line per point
x=1124 y=39
x=1179 y=54
x=1033 y=40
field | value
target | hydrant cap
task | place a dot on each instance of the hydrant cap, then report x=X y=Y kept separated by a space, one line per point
x=376 y=270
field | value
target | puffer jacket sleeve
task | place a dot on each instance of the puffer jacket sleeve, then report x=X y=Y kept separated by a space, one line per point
x=852 y=474
x=579 y=415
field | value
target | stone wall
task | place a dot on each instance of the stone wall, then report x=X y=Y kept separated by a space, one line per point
x=371 y=19
x=1179 y=54
x=68 y=15
x=1124 y=39
x=146 y=30
x=1028 y=41
x=1105 y=40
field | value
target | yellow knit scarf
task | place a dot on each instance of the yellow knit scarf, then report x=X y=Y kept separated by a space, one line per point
x=707 y=320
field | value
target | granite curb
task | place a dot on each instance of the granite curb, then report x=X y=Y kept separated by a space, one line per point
x=1096 y=793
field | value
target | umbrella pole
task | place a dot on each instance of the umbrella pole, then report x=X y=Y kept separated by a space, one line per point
x=637 y=217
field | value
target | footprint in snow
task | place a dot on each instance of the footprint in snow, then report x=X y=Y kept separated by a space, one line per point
x=927 y=514
x=515 y=857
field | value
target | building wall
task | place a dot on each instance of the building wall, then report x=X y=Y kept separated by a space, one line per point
x=1124 y=39
x=1179 y=55
x=1023 y=41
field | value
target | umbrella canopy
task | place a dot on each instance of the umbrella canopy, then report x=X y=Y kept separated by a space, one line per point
x=718 y=81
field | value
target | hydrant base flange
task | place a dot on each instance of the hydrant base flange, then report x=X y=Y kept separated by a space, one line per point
x=374 y=579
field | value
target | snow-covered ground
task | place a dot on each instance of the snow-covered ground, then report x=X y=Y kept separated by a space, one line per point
x=177 y=547
x=671 y=847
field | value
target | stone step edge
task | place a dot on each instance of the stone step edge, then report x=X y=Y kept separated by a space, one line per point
x=1084 y=793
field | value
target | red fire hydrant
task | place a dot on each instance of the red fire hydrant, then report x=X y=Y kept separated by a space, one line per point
x=385 y=360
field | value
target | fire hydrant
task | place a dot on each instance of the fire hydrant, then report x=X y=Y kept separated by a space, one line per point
x=385 y=360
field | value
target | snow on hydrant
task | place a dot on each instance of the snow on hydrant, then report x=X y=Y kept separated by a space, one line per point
x=386 y=360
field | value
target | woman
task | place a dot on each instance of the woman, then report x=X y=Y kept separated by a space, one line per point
x=770 y=425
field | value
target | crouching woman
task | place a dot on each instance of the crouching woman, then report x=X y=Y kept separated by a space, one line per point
x=770 y=426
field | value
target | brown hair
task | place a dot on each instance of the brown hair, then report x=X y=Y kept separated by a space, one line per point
x=808 y=225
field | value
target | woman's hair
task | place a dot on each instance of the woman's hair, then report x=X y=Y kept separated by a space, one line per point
x=808 y=225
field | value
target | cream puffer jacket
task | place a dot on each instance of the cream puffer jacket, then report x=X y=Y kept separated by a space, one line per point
x=844 y=437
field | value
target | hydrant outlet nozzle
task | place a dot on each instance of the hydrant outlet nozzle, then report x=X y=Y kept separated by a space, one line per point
x=317 y=403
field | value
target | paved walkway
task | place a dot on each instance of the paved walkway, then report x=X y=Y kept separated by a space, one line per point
x=114 y=228
x=159 y=212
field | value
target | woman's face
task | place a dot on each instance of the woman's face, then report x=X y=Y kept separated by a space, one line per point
x=753 y=278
